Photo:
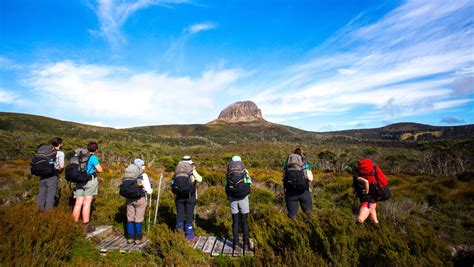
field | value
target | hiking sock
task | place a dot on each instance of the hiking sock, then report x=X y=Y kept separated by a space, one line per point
x=138 y=230
x=235 y=229
x=189 y=231
x=130 y=230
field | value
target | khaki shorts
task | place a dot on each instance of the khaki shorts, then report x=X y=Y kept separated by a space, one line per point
x=89 y=189
x=136 y=209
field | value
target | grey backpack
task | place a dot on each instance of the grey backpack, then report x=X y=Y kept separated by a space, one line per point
x=181 y=184
x=295 y=162
x=133 y=171
x=132 y=183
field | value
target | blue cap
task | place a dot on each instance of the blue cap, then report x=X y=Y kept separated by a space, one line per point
x=236 y=158
x=138 y=162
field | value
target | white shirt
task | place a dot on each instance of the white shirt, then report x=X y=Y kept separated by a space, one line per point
x=59 y=165
x=146 y=184
x=196 y=177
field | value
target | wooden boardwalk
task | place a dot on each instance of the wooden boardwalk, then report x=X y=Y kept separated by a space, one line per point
x=216 y=246
x=113 y=240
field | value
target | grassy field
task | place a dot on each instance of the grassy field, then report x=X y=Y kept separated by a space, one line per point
x=427 y=217
x=428 y=222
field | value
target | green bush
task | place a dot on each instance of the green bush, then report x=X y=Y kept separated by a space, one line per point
x=34 y=238
x=170 y=248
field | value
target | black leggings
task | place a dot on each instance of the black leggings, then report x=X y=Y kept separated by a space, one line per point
x=235 y=227
x=294 y=200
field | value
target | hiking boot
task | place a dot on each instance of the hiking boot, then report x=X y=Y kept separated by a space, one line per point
x=140 y=240
x=235 y=244
x=88 y=228
x=189 y=232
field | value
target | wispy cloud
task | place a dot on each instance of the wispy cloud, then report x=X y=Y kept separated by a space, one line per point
x=113 y=14
x=117 y=93
x=8 y=64
x=193 y=29
x=7 y=96
x=416 y=58
x=451 y=120
x=175 y=52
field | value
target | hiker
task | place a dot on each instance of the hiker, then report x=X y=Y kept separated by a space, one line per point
x=296 y=177
x=183 y=186
x=49 y=185
x=237 y=188
x=86 y=190
x=134 y=188
x=371 y=186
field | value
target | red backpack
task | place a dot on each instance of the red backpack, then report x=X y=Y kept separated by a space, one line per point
x=378 y=183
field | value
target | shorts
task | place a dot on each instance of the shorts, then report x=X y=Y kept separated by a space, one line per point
x=239 y=205
x=136 y=209
x=368 y=205
x=89 y=189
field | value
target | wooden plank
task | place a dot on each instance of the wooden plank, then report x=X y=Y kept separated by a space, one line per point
x=251 y=251
x=227 y=247
x=217 y=250
x=116 y=244
x=101 y=230
x=105 y=241
x=126 y=247
x=193 y=241
x=209 y=244
x=106 y=244
x=200 y=243
x=238 y=251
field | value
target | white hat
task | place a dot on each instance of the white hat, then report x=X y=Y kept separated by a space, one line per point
x=139 y=162
x=236 y=158
x=188 y=159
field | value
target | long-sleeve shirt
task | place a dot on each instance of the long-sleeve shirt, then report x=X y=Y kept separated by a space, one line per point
x=59 y=165
x=196 y=177
x=146 y=184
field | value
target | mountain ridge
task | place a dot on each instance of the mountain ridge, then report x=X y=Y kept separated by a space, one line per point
x=254 y=130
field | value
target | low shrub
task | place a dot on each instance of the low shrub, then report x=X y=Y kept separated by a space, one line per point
x=34 y=238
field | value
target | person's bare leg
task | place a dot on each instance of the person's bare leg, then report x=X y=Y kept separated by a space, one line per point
x=363 y=214
x=86 y=209
x=76 y=212
x=373 y=214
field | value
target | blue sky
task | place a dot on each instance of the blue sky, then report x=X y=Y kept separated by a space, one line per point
x=315 y=65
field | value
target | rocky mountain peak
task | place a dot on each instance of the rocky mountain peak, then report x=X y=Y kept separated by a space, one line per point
x=242 y=111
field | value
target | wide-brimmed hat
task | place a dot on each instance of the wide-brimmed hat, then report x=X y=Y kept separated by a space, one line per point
x=188 y=159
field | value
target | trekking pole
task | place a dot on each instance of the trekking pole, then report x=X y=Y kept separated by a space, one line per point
x=194 y=208
x=158 y=198
x=149 y=214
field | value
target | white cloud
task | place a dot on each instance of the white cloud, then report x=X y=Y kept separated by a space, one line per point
x=95 y=123
x=193 y=29
x=113 y=14
x=6 y=63
x=346 y=71
x=117 y=93
x=7 y=96
x=404 y=63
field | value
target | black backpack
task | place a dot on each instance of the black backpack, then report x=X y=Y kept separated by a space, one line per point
x=181 y=184
x=76 y=169
x=236 y=186
x=43 y=163
x=132 y=184
x=295 y=174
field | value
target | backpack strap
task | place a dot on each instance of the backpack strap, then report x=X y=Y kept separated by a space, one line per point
x=376 y=176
